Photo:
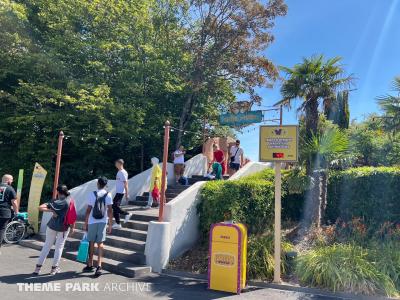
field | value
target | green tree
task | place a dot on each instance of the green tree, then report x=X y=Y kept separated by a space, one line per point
x=390 y=104
x=314 y=80
x=337 y=109
x=226 y=39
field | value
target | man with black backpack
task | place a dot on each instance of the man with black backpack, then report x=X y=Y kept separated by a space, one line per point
x=98 y=214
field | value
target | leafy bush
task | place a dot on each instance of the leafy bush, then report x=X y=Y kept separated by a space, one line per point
x=386 y=257
x=368 y=193
x=343 y=267
x=244 y=201
x=260 y=256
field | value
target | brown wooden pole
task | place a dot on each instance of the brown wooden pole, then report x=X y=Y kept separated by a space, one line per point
x=58 y=163
x=164 y=171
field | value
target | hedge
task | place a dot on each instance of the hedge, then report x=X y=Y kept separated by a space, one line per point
x=249 y=200
x=372 y=194
x=246 y=201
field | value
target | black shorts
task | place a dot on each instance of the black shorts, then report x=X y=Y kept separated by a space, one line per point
x=234 y=166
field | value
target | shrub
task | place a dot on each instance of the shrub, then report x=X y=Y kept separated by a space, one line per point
x=368 y=193
x=386 y=257
x=345 y=268
x=260 y=257
x=243 y=201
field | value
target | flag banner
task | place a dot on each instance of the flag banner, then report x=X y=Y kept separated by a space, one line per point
x=35 y=192
x=19 y=186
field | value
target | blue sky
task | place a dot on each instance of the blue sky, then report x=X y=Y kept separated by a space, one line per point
x=365 y=33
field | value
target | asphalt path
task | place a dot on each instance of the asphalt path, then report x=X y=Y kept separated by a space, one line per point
x=17 y=282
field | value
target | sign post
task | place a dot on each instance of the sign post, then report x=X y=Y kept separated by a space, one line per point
x=278 y=144
x=58 y=162
x=35 y=192
x=167 y=128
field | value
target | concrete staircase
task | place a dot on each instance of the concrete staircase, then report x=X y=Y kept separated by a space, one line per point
x=124 y=248
x=171 y=192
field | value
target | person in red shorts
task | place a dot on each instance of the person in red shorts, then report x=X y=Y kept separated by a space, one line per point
x=219 y=157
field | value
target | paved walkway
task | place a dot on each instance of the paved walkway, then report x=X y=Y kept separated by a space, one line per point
x=17 y=282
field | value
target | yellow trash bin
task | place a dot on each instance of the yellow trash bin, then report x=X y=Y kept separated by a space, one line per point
x=227 y=257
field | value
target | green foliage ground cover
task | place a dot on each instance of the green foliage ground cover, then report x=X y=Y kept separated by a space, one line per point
x=354 y=257
x=356 y=253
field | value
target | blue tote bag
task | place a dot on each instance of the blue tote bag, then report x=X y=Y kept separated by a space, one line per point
x=83 y=250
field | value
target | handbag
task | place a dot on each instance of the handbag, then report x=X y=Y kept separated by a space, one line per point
x=83 y=250
x=233 y=157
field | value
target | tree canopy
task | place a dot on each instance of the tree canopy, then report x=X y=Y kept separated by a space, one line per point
x=109 y=74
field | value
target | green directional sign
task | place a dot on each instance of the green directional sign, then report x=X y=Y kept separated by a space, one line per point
x=241 y=119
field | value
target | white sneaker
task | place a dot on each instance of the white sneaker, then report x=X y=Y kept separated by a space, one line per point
x=127 y=218
x=147 y=207
x=116 y=226
x=55 y=270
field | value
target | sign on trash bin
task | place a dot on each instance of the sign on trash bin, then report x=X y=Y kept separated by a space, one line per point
x=227 y=257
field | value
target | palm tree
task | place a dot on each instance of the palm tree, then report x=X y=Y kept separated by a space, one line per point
x=391 y=106
x=313 y=80
x=326 y=147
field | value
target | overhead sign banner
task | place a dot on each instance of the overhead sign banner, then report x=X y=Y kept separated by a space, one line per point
x=240 y=119
x=35 y=192
x=279 y=143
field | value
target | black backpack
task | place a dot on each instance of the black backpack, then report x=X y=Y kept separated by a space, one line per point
x=99 y=206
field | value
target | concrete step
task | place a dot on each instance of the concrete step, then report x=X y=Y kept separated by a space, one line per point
x=140 y=203
x=194 y=180
x=139 y=214
x=171 y=194
x=197 y=176
x=117 y=267
x=123 y=232
x=116 y=241
x=111 y=252
x=114 y=266
x=141 y=198
x=138 y=225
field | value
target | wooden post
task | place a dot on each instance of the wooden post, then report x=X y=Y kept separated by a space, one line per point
x=58 y=163
x=164 y=171
x=278 y=209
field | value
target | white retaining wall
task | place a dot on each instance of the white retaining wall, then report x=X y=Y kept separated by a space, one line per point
x=138 y=184
x=181 y=214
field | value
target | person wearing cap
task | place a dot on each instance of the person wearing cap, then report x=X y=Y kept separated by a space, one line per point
x=98 y=214
x=121 y=190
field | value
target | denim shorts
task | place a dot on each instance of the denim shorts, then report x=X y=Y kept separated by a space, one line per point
x=97 y=232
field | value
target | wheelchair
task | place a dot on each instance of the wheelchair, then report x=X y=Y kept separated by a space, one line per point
x=18 y=228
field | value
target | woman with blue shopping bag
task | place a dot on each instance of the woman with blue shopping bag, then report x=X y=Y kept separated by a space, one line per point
x=58 y=227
